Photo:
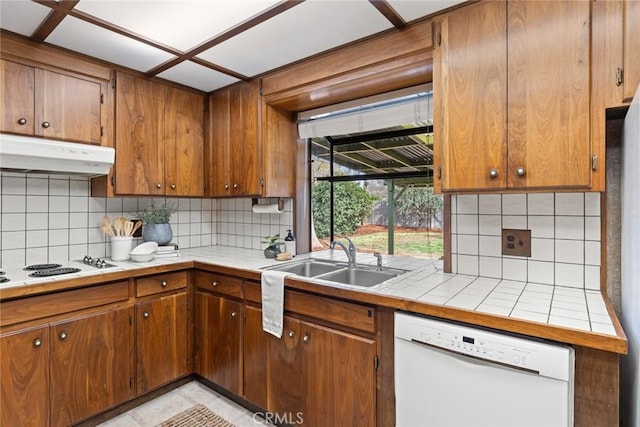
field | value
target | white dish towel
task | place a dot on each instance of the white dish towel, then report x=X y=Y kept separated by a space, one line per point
x=273 y=301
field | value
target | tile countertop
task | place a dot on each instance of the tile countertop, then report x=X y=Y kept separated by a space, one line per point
x=425 y=282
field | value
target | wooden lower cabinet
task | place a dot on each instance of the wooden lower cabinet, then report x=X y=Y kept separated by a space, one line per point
x=91 y=365
x=218 y=340
x=24 y=373
x=162 y=341
x=315 y=374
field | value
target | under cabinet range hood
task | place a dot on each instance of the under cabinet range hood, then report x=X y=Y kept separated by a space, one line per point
x=36 y=155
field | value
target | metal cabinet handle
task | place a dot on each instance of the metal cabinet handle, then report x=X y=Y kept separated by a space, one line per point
x=163 y=283
x=234 y=314
x=493 y=173
x=62 y=336
x=173 y=186
x=46 y=124
x=214 y=283
x=305 y=338
x=158 y=185
x=226 y=186
x=291 y=334
x=521 y=171
x=37 y=342
x=22 y=121
x=145 y=314
x=235 y=186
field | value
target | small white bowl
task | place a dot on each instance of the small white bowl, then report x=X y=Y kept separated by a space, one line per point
x=144 y=252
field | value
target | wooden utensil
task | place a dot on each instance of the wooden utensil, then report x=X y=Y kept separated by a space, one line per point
x=117 y=224
x=136 y=225
x=128 y=228
x=106 y=229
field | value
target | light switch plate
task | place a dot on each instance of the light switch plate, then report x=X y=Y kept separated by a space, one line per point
x=516 y=242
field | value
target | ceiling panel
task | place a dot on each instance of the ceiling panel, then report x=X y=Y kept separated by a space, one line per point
x=312 y=27
x=95 y=41
x=413 y=9
x=191 y=74
x=180 y=24
x=22 y=16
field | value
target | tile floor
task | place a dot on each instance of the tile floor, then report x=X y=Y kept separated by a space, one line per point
x=155 y=411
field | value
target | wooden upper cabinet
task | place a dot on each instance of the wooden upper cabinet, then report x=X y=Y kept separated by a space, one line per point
x=25 y=378
x=549 y=63
x=183 y=143
x=91 y=365
x=49 y=104
x=511 y=88
x=234 y=141
x=159 y=139
x=470 y=96
x=631 y=70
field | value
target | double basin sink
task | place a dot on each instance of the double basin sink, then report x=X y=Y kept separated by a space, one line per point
x=340 y=272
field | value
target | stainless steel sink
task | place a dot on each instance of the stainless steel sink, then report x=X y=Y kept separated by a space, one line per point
x=308 y=268
x=365 y=276
x=360 y=276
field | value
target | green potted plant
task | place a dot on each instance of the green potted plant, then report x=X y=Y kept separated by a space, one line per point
x=273 y=249
x=156 y=223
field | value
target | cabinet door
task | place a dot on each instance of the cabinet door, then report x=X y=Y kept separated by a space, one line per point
x=631 y=42
x=91 y=365
x=183 y=143
x=17 y=91
x=255 y=357
x=470 y=96
x=218 y=338
x=338 y=381
x=285 y=374
x=25 y=378
x=548 y=97
x=245 y=140
x=139 y=136
x=161 y=341
x=219 y=149
x=67 y=108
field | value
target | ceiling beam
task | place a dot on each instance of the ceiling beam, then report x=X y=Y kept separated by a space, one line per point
x=53 y=19
x=389 y=12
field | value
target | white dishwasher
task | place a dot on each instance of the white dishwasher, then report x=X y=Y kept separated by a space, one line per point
x=448 y=374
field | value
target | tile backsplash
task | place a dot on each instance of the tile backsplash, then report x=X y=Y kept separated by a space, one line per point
x=565 y=237
x=53 y=218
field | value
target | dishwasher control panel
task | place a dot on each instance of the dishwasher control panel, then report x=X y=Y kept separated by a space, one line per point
x=536 y=356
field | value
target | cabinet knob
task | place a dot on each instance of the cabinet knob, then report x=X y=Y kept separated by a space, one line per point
x=158 y=185
x=62 y=336
x=291 y=334
x=37 y=342
x=521 y=171
x=226 y=186
x=46 y=124
x=235 y=186
x=145 y=314
x=234 y=314
x=305 y=338
x=493 y=173
x=22 y=121
x=214 y=283
x=163 y=284
x=173 y=186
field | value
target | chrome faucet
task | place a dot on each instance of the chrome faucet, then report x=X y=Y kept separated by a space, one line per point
x=378 y=256
x=351 y=251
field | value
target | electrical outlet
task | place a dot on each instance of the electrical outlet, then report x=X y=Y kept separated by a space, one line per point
x=516 y=242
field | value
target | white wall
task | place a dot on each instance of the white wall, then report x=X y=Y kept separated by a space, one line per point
x=630 y=261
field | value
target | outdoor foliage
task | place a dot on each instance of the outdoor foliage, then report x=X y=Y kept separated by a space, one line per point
x=418 y=205
x=352 y=206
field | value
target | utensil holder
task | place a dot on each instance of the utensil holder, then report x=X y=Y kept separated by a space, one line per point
x=121 y=248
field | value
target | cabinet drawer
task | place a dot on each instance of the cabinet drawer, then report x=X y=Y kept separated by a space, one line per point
x=219 y=283
x=351 y=315
x=161 y=283
x=38 y=307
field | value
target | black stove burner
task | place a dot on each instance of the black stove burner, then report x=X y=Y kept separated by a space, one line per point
x=4 y=279
x=54 y=272
x=41 y=266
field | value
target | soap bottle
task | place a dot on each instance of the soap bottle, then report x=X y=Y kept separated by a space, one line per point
x=290 y=244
